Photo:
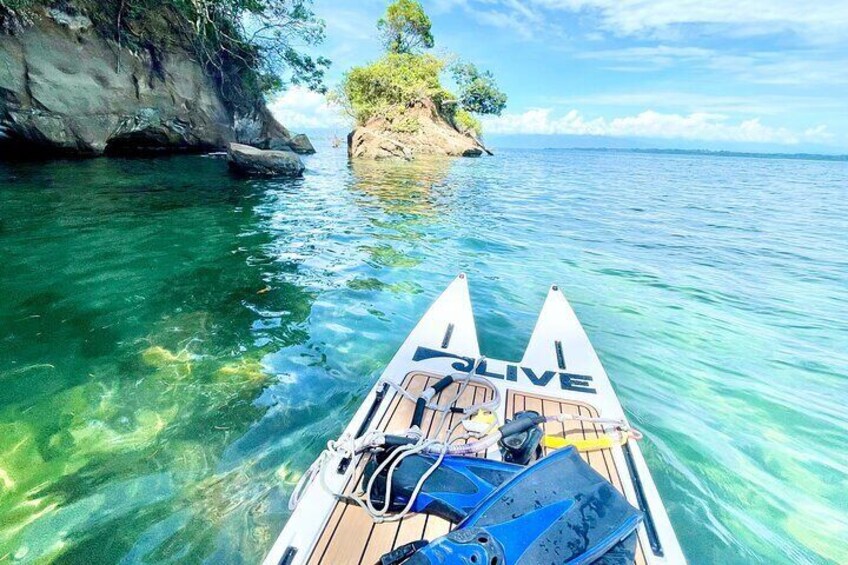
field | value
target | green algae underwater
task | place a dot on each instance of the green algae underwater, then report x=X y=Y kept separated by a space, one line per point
x=129 y=360
x=177 y=345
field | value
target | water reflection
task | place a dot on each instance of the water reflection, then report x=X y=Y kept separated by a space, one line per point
x=411 y=196
x=403 y=188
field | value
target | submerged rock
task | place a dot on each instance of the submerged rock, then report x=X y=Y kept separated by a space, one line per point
x=158 y=356
x=243 y=371
x=252 y=161
x=419 y=129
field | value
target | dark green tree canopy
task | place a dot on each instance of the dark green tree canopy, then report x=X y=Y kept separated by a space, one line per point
x=478 y=91
x=405 y=28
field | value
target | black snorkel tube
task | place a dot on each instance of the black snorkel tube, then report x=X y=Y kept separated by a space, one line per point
x=425 y=397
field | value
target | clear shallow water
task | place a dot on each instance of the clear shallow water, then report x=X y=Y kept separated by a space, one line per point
x=176 y=346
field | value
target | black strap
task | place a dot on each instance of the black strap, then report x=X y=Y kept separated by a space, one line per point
x=402 y=553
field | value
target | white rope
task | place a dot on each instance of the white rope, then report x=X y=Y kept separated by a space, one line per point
x=393 y=462
x=352 y=448
x=469 y=378
x=396 y=458
x=603 y=421
x=349 y=447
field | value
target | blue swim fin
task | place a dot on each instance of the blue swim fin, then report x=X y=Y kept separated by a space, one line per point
x=453 y=490
x=558 y=510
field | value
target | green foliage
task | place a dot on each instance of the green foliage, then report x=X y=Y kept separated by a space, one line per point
x=404 y=75
x=249 y=47
x=478 y=92
x=465 y=122
x=406 y=124
x=405 y=28
x=398 y=79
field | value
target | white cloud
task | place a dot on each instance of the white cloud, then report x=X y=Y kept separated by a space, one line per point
x=804 y=67
x=810 y=49
x=818 y=21
x=299 y=108
x=694 y=102
x=785 y=68
x=523 y=27
x=518 y=16
x=649 y=58
x=701 y=126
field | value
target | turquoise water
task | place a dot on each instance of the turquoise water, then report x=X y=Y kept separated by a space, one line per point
x=177 y=345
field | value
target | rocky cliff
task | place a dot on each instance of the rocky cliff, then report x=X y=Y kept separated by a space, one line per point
x=418 y=129
x=67 y=90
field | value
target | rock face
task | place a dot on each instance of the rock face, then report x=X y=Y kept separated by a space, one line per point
x=419 y=130
x=66 y=90
x=261 y=130
x=249 y=160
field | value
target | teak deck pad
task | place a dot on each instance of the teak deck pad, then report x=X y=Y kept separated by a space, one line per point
x=351 y=537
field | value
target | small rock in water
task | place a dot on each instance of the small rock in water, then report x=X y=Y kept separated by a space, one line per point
x=258 y=162
x=301 y=144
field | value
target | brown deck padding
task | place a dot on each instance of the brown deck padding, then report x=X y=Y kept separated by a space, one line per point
x=601 y=461
x=350 y=536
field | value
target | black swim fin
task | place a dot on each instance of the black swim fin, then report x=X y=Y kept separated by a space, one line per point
x=558 y=510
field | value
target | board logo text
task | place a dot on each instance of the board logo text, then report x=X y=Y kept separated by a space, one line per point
x=567 y=381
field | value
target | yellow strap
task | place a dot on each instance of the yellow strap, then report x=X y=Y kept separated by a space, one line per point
x=484 y=417
x=480 y=423
x=594 y=444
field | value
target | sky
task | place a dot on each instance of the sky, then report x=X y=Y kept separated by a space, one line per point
x=712 y=74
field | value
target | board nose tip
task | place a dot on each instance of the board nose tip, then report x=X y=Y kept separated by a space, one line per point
x=554 y=287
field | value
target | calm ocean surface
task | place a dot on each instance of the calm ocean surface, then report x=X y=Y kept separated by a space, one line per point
x=177 y=345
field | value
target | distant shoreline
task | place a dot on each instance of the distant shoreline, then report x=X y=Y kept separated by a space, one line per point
x=702 y=152
x=595 y=144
